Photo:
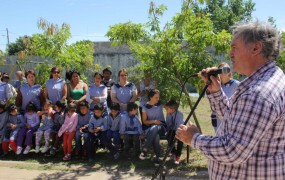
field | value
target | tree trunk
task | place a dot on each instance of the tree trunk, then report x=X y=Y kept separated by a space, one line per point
x=189 y=100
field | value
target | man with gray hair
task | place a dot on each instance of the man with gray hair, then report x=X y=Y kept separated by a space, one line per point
x=250 y=141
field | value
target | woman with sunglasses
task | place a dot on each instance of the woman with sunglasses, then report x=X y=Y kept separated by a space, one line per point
x=55 y=90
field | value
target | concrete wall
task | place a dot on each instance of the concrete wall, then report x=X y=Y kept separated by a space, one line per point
x=116 y=57
x=105 y=55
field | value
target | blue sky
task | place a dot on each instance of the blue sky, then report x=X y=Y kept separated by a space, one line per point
x=90 y=19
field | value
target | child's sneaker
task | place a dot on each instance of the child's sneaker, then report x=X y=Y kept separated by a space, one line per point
x=157 y=162
x=67 y=157
x=19 y=150
x=27 y=150
x=177 y=160
x=52 y=151
x=117 y=155
x=46 y=148
x=37 y=150
x=142 y=155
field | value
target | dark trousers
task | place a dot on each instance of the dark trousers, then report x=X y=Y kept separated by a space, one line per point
x=78 y=140
x=131 y=139
x=56 y=140
x=102 y=136
x=175 y=150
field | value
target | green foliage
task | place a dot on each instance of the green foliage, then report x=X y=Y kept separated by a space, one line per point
x=52 y=43
x=184 y=46
x=281 y=59
x=19 y=45
x=43 y=72
x=2 y=57
x=125 y=32
x=78 y=56
x=224 y=13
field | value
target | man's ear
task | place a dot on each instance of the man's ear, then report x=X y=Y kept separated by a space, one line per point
x=257 y=48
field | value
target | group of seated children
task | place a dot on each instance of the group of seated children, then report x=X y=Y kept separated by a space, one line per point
x=115 y=131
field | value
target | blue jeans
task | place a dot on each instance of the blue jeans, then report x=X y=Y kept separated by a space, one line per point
x=115 y=135
x=78 y=140
x=153 y=139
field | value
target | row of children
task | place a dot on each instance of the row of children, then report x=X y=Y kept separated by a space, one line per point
x=114 y=131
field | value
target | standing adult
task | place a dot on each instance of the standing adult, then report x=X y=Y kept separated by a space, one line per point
x=108 y=82
x=6 y=90
x=250 y=141
x=30 y=92
x=6 y=78
x=124 y=91
x=144 y=86
x=97 y=93
x=20 y=79
x=153 y=119
x=229 y=86
x=76 y=89
x=55 y=90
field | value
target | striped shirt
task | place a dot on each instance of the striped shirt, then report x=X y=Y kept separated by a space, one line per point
x=250 y=143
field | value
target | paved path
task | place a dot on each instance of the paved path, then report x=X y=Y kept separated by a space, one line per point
x=18 y=170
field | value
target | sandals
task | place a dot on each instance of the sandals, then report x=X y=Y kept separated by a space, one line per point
x=67 y=157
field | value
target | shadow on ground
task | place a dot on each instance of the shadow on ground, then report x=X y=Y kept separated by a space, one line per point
x=126 y=167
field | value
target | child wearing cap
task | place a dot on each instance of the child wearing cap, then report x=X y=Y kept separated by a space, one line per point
x=47 y=125
x=59 y=118
x=3 y=122
x=131 y=128
x=174 y=119
x=26 y=132
x=97 y=128
x=15 y=121
x=114 y=119
x=82 y=128
x=68 y=130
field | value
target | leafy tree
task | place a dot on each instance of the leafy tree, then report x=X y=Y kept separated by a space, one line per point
x=52 y=43
x=182 y=47
x=281 y=58
x=19 y=45
x=224 y=13
x=2 y=57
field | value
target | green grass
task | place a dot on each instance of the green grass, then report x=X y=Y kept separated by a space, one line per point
x=104 y=161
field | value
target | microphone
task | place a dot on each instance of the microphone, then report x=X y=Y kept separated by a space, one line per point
x=223 y=70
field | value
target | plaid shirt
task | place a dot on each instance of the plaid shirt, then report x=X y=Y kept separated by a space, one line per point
x=250 y=142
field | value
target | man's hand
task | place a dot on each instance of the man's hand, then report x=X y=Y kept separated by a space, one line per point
x=215 y=84
x=98 y=129
x=13 y=126
x=157 y=122
x=185 y=134
x=28 y=126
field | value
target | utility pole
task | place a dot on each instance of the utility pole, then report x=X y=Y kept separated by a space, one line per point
x=8 y=42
